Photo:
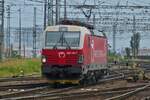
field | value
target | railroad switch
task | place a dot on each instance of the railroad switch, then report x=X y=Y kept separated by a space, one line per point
x=132 y=78
x=137 y=73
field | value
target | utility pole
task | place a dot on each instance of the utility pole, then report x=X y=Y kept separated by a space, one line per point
x=34 y=33
x=24 y=46
x=114 y=37
x=8 y=32
x=65 y=9
x=20 y=31
x=134 y=23
x=57 y=11
x=134 y=32
x=50 y=13
x=94 y=20
x=45 y=13
x=1 y=29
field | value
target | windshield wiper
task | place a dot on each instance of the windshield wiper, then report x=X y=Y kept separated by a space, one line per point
x=61 y=40
x=55 y=46
x=68 y=46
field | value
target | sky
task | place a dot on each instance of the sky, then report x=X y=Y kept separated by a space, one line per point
x=27 y=11
x=122 y=40
x=26 y=15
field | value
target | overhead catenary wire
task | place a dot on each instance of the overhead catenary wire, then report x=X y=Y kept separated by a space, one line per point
x=105 y=13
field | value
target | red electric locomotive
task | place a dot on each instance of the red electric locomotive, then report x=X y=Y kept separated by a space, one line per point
x=73 y=54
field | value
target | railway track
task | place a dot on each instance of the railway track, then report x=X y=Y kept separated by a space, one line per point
x=63 y=94
x=130 y=93
x=30 y=92
x=46 y=91
x=24 y=78
x=22 y=86
x=25 y=92
x=146 y=98
x=21 y=83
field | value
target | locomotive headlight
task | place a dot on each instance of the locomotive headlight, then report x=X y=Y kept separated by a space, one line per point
x=81 y=59
x=43 y=59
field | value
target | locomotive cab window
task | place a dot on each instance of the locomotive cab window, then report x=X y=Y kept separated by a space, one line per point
x=64 y=39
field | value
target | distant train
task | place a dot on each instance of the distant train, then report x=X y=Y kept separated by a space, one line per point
x=73 y=53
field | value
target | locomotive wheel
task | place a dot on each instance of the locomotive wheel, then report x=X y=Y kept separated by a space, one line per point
x=84 y=80
x=94 y=81
x=56 y=85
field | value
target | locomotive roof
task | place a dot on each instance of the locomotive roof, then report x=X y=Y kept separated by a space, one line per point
x=75 y=28
x=77 y=23
x=69 y=28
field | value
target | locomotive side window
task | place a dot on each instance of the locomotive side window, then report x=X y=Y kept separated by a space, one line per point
x=59 y=38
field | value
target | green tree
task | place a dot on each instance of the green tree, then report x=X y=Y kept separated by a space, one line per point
x=127 y=52
x=135 y=43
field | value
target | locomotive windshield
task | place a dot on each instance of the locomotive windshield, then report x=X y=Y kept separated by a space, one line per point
x=65 y=39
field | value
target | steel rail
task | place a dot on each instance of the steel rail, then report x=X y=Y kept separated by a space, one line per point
x=20 y=78
x=58 y=96
x=21 y=93
x=56 y=92
x=146 y=98
x=22 y=86
x=128 y=94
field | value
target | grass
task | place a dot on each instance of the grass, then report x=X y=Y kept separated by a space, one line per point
x=115 y=57
x=19 y=67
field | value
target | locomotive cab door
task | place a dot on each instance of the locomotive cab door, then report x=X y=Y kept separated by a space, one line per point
x=91 y=47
